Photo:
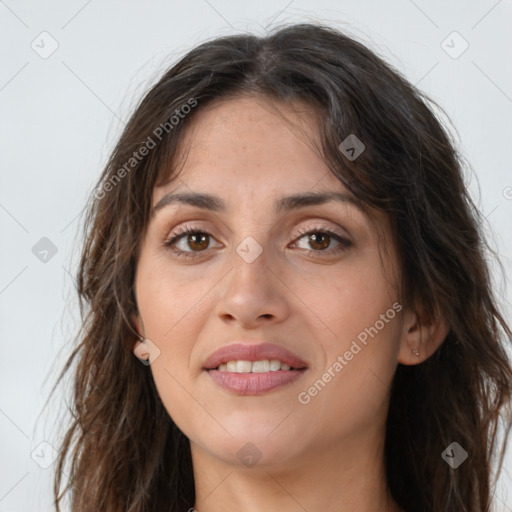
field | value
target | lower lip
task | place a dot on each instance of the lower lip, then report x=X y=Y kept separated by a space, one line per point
x=254 y=383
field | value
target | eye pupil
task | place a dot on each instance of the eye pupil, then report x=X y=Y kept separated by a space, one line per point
x=199 y=240
x=319 y=240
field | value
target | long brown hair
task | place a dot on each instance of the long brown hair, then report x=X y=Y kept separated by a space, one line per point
x=122 y=451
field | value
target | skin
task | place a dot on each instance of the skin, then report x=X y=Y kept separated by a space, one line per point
x=323 y=455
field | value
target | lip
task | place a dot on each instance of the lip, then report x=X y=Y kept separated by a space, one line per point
x=253 y=352
x=253 y=383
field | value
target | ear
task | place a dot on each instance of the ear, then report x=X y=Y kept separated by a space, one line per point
x=139 y=347
x=421 y=337
x=137 y=324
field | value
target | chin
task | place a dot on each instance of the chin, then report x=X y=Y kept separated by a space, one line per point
x=251 y=451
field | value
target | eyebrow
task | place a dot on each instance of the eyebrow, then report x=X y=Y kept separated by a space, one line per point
x=287 y=203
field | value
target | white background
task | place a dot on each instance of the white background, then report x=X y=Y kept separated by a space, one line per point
x=60 y=117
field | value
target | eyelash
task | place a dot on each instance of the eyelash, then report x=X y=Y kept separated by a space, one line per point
x=344 y=244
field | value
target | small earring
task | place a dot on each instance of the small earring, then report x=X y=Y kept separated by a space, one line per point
x=416 y=352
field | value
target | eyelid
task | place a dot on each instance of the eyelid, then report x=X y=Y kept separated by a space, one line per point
x=321 y=228
x=185 y=229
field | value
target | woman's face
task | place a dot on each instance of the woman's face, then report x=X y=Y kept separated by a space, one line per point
x=301 y=274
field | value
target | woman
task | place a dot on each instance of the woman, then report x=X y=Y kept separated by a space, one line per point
x=283 y=238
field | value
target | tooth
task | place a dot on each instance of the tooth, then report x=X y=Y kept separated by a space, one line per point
x=275 y=365
x=244 y=366
x=260 y=366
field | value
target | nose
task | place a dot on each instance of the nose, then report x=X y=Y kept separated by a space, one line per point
x=253 y=294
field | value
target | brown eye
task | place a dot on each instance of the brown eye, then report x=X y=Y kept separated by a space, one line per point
x=319 y=241
x=198 y=241
x=322 y=242
x=188 y=242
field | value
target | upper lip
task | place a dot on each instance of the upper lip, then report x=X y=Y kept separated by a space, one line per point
x=240 y=351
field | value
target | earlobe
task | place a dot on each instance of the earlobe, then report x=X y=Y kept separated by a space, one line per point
x=420 y=339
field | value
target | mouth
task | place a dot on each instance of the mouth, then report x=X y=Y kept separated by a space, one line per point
x=245 y=368
x=249 y=369
x=243 y=357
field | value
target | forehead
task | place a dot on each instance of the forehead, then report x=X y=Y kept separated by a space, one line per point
x=253 y=145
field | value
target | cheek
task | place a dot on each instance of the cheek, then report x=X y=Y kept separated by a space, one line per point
x=173 y=311
x=361 y=343
x=350 y=393
x=348 y=299
x=174 y=317
x=170 y=301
